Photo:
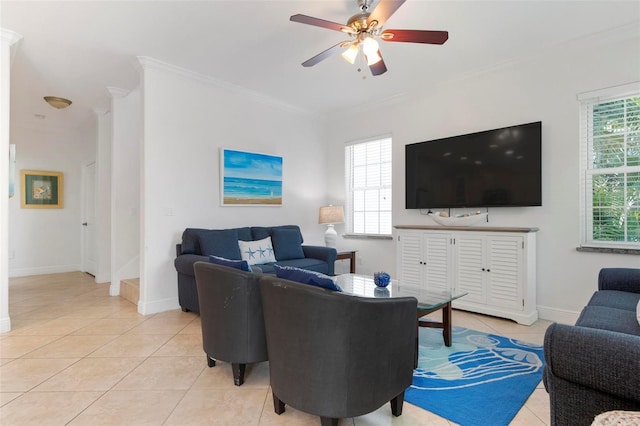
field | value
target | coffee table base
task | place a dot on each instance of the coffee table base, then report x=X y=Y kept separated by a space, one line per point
x=445 y=325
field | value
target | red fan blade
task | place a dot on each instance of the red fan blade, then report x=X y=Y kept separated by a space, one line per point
x=384 y=10
x=379 y=67
x=415 y=36
x=309 y=20
x=323 y=55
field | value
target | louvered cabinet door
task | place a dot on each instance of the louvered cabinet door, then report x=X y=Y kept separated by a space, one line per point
x=410 y=258
x=470 y=268
x=437 y=247
x=505 y=271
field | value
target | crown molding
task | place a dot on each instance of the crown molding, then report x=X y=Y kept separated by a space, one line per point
x=618 y=34
x=9 y=37
x=148 y=63
x=116 y=92
x=100 y=111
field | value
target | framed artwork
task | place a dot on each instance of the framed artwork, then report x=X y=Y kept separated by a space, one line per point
x=41 y=190
x=12 y=170
x=250 y=179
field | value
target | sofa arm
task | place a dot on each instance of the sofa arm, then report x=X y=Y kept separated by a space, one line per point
x=328 y=254
x=621 y=279
x=184 y=263
x=602 y=360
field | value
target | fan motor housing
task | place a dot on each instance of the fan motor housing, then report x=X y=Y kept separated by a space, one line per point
x=359 y=21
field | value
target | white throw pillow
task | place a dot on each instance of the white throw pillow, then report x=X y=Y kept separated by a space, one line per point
x=638 y=312
x=257 y=252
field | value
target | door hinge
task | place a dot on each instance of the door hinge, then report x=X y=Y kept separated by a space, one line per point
x=523 y=244
x=522 y=303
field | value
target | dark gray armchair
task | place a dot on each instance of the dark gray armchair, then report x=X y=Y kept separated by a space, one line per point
x=231 y=316
x=335 y=355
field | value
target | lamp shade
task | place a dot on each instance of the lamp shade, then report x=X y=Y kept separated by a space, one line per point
x=331 y=214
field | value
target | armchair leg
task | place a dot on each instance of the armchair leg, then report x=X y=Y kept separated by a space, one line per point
x=329 y=421
x=396 y=404
x=238 y=373
x=211 y=362
x=278 y=406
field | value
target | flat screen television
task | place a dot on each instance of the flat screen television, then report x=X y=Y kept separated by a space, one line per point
x=494 y=168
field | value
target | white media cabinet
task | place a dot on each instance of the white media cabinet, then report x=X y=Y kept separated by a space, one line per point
x=496 y=266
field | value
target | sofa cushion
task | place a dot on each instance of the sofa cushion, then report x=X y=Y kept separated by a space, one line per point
x=257 y=252
x=306 y=277
x=244 y=234
x=615 y=299
x=190 y=240
x=220 y=242
x=260 y=232
x=287 y=244
x=236 y=264
x=611 y=319
x=638 y=312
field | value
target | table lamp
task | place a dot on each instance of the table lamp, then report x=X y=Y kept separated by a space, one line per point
x=330 y=215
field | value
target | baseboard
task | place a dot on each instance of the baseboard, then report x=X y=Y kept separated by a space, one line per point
x=561 y=316
x=155 y=306
x=5 y=324
x=42 y=270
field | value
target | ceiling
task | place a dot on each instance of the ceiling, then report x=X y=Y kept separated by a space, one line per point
x=77 y=49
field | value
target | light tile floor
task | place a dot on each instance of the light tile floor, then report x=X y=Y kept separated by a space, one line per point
x=77 y=356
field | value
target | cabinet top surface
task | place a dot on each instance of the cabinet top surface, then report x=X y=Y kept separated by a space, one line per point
x=466 y=228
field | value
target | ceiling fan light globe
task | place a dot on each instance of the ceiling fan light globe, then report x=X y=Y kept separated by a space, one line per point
x=370 y=46
x=373 y=58
x=350 y=54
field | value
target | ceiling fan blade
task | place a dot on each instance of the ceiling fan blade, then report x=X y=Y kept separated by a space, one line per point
x=379 y=67
x=384 y=10
x=310 y=20
x=323 y=55
x=415 y=36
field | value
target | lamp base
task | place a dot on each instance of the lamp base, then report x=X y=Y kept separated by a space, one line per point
x=330 y=236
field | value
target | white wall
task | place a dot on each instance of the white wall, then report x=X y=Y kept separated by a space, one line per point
x=125 y=190
x=8 y=46
x=49 y=240
x=187 y=119
x=543 y=88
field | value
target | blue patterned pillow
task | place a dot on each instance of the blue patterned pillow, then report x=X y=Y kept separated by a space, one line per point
x=257 y=252
x=237 y=264
x=306 y=277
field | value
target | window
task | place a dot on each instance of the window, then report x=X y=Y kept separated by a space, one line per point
x=368 y=187
x=610 y=166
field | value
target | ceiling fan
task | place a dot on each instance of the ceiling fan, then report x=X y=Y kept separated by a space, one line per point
x=364 y=28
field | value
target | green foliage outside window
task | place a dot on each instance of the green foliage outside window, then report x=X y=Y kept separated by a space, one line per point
x=616 y=146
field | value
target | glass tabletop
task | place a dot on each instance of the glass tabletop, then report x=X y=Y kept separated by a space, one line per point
x=363 y=285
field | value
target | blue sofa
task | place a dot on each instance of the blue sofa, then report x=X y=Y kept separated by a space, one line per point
x=197 y=244
x=594 y=366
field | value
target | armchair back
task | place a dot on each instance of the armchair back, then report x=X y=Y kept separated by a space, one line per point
x=336 y=355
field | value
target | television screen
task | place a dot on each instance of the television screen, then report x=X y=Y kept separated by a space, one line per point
x=494 y=168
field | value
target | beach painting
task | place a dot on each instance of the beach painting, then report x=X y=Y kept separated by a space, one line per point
x=250 y=179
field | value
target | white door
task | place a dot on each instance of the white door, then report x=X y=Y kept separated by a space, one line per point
x=437 y=248
x=410 y=263
x=470 y=267
x=90 y=258
x=505 y=264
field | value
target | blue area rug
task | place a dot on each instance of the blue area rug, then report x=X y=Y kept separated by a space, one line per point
x=481 y=380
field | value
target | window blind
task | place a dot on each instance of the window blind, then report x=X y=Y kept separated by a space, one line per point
x=368 y=181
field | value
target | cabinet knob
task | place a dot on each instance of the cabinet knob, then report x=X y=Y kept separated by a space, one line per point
x=483 y=269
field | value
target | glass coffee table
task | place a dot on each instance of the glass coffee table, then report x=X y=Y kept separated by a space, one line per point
x=428 y=300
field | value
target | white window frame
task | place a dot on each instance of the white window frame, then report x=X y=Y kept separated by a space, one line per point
x=350 y=190
x=587 y=101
